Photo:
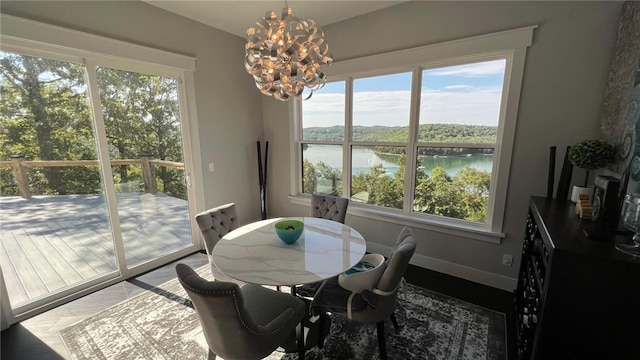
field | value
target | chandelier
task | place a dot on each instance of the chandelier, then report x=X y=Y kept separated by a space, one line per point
x=285 y=55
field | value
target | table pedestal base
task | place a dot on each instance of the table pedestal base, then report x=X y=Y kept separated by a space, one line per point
x=314 y=329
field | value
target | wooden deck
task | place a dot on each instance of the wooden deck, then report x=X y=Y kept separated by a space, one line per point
x=48 y=243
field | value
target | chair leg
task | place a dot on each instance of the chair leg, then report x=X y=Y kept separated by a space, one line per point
x=321 y=326
x=381 y=342
x=394 y=321
x=301 y=345
x=212 y=355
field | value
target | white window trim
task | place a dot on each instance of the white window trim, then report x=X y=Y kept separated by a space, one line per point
x=38 y=39
x=510 y=44
x=28 y=33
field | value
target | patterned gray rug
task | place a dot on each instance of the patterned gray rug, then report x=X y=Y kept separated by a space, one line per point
x=161 y=324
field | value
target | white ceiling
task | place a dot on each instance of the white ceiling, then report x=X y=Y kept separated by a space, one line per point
x=236 y=16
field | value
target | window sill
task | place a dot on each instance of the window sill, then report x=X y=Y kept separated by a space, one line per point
x=470 y=231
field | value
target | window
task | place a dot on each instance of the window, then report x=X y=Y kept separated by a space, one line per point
x=97 y=129
x=427 y=141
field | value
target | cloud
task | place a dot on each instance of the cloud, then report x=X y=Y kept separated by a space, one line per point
x=458 y=87
x=453 y=104
x=480 y=107
x=471 y=70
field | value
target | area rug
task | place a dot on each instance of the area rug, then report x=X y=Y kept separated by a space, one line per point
x=162 y=324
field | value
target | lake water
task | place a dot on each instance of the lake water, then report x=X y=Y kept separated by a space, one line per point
x=364 y=158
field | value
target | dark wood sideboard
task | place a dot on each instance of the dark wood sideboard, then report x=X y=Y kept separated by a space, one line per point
x=577 y=296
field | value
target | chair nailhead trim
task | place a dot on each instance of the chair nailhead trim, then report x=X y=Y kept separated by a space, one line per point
x=235 y=303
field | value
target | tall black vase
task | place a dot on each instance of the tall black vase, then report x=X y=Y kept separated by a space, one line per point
x=262 y=178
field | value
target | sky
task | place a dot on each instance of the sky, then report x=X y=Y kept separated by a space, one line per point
x=465 y=94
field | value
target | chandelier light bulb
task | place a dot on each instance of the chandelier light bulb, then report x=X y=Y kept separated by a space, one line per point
x=285 y=55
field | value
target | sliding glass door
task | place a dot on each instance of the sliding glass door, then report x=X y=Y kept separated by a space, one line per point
x=92 y=175
x=55 y=225
x=141 y=115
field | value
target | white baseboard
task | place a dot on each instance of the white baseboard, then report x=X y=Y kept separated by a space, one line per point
x=461 y=271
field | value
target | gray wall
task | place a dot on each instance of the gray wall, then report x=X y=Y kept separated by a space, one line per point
x=228 y=106
x=564 y=82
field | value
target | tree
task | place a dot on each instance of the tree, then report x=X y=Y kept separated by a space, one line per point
x=44 y=116
x=316 y=174
x=473 y=185
x=443 y=198
x=309 y=178
x=141 y=117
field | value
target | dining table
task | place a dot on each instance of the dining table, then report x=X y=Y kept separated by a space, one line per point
x=254 y=254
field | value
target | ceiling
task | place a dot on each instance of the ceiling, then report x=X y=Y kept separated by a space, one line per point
x=236 y=16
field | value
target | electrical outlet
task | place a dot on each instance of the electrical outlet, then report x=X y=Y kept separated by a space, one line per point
x=211 y=167
x=507 y=259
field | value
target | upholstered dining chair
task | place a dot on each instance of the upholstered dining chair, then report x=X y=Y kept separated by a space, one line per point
x=248 y=322
x=214 y=224
x=375 y=305
x=329 y=207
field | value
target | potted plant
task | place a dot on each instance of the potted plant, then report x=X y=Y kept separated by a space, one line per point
x=589 y=154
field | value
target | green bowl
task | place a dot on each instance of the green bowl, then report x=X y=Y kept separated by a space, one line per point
x=289 y=231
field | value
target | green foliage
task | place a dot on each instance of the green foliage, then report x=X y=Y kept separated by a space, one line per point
x=45 y=115
x=435 y=133
x=463 y=196
x=309 y=178
x=591 y=154
x=321 y=178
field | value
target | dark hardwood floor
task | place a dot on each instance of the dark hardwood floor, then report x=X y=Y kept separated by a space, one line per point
x=37 y=337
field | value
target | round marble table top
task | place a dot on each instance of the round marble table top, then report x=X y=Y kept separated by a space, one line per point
x=254 y=254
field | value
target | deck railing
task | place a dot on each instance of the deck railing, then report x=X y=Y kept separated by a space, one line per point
x=146 y=162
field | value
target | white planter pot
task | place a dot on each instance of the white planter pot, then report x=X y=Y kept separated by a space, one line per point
x=577 y=190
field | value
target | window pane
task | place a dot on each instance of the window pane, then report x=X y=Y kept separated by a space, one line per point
x=322 y=169
x=461 y=103
x=142 y=123
x=55 y=232
x=381 y=107
x=323 y=114
x=453 y=182
x=377 y=175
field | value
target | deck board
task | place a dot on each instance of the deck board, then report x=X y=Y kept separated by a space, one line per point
x=40 y=261
x=68 y=254
x=31 y=282
x=49 y=243
x=10 y=275
x=57 y=261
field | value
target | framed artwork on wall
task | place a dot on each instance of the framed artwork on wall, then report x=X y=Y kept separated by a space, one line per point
x=620 y=115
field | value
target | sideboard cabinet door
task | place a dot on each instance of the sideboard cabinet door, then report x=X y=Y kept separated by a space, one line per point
x=577 y=296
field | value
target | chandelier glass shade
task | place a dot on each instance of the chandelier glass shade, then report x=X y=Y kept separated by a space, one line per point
x=285 y=56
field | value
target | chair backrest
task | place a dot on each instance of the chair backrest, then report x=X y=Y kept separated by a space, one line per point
x=227 y=324
x=398 y=261
x=216 y=223
x=329 y=207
